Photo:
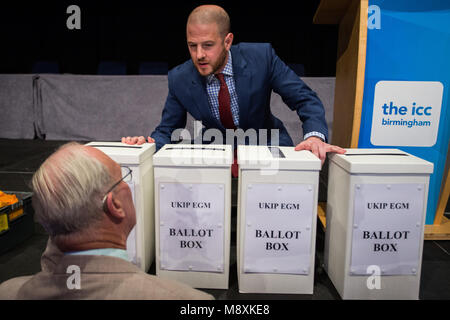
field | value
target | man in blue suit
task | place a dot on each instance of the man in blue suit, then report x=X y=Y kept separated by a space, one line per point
x=229 y=86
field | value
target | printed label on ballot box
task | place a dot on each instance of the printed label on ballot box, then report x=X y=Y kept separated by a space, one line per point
x=387 y=228
x=192 y=226
x=278 y=226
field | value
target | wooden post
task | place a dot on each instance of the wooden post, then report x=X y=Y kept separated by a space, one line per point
x=351 y=60
x=351 y=15
x=440 y=229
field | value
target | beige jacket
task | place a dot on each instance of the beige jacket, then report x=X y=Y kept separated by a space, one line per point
x=101 y=277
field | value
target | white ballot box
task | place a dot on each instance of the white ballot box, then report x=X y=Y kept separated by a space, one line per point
x=192 y=214
x=377 y=200
x=277 y=214
x=141 y=241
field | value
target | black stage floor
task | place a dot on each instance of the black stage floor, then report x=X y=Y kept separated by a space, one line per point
x=20 y=158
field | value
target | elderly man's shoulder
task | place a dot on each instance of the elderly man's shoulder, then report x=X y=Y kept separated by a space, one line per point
x=10 y=288
x=126 y=281
x=145 y=286
x=135 y=286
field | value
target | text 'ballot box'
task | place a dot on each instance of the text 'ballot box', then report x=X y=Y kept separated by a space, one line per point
x=277 y=207
x=192 y=214
x=375 y=219
x=141 y=240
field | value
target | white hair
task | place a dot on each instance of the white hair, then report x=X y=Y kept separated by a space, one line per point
x=68 y=190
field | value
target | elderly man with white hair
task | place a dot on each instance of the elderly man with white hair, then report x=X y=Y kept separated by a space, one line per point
x=81 y=200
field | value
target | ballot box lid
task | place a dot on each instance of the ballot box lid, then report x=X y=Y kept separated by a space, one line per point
x=194 y=155
x=124 y=153
x=381 y=161
x=276 y=158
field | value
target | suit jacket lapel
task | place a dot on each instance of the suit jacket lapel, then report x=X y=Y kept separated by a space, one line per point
x=242 y=79
x=200 y=97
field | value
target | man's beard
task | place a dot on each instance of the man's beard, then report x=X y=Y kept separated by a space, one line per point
x=219 y=64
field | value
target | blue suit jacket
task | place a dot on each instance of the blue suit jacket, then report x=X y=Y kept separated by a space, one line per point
x=257 y=71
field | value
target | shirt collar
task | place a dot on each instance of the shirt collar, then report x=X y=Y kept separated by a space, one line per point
x=112 y=252
x=228 y=70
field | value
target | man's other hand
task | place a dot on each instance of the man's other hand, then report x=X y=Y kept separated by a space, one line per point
x=137 y=140
x=318 y=147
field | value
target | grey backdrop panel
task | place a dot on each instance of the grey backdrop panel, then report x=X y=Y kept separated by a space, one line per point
x=324 y=87
x=109 y=107
x=16 y=106
x=79 y=107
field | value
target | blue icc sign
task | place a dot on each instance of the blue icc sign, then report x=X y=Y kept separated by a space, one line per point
x=407 y=80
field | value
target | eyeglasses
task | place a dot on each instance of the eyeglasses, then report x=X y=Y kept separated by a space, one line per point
x=127 y=176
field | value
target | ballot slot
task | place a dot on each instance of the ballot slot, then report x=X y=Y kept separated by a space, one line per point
x=140 y=241
x=375 y=154
x=195 y=148
x=93 y=144
x=276 y=152
x=375 y=215
x=277 y=207
x=192 y=214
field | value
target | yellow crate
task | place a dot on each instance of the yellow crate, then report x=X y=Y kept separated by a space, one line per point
x=4 y=225
x=16 y=214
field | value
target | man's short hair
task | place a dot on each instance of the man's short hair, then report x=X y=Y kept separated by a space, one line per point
x=68 y=190
x=211 y=14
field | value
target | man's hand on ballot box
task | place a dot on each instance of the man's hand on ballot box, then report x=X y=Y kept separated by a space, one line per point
x=313 y=144
x=318 y=147
x=137 y=140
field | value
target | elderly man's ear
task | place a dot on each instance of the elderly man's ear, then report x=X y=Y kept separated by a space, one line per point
x=114 y=208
